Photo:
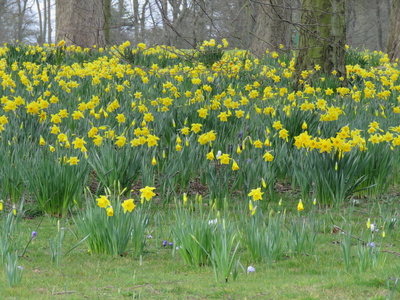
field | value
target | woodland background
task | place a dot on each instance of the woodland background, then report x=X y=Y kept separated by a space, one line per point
x=246 y=24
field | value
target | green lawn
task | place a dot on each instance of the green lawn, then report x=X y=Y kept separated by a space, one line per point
x=162 y=274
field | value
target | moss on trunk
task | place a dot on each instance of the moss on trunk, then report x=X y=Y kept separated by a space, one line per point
x=322 y=38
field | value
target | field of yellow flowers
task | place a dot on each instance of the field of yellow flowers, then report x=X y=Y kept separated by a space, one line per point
x=214 y=135
x=70 y=116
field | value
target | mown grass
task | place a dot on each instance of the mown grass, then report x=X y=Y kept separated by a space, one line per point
x=161 y=273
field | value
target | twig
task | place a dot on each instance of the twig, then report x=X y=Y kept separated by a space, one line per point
x=392 y=252
x=137 y=286
x=354 y=237
x=143 y=285
x=258 y=295
x=106 y=287
x=62 y=293
x=26 y=258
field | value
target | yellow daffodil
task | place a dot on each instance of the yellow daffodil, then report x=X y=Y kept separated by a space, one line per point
x=210 y=155
x=110 y=211
x=184 y=199
x=147 y=192
x=103 y=202
x=128 y=205
x=300 y=206
x=73 y=160
x=224 y=159
x=256 y=194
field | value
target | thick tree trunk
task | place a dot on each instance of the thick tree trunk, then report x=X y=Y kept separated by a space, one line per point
x=393 y=43
x=107 y=21
x=80 y=22
x=322 y=38
x=272 y=27
x=379 y=25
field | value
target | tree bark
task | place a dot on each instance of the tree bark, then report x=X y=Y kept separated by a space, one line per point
x=272 y=27
x=21 y=16
x=136 y=18
x=44 y=31
x=121 y=12
x=379 y=24
x=163 y=7
x=107 y=21
x=322 y=38
x=143 y=22
x=80 y=22
x=393 y=43
x=40 y=38
x=49 y=22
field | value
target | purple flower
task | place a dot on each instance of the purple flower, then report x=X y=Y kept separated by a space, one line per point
x=33 y=235
x=250 y=269
x=164 y=243
x=240 y=134
x=170 y=244
x=372 y=245
x=248 y=160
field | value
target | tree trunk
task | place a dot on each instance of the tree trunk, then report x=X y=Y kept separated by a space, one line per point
x=107 y=21
x=49 y=22
x=143 y=22
x=272 y=27
x=40 y=38
x=379 y=24
x=165 y=21
x=80 y=22
x=21 y=16
x=322 y=38
x=44 y=31
x=393 y=43
x=121 y=12
x=136 y=18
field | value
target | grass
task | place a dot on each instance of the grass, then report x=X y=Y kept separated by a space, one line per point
x=161 y=273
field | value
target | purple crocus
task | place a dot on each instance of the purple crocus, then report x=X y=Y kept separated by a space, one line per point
x=164 y=243
x=33 y=235
x=240 y=134
x=250 y=269
x=170 y=244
